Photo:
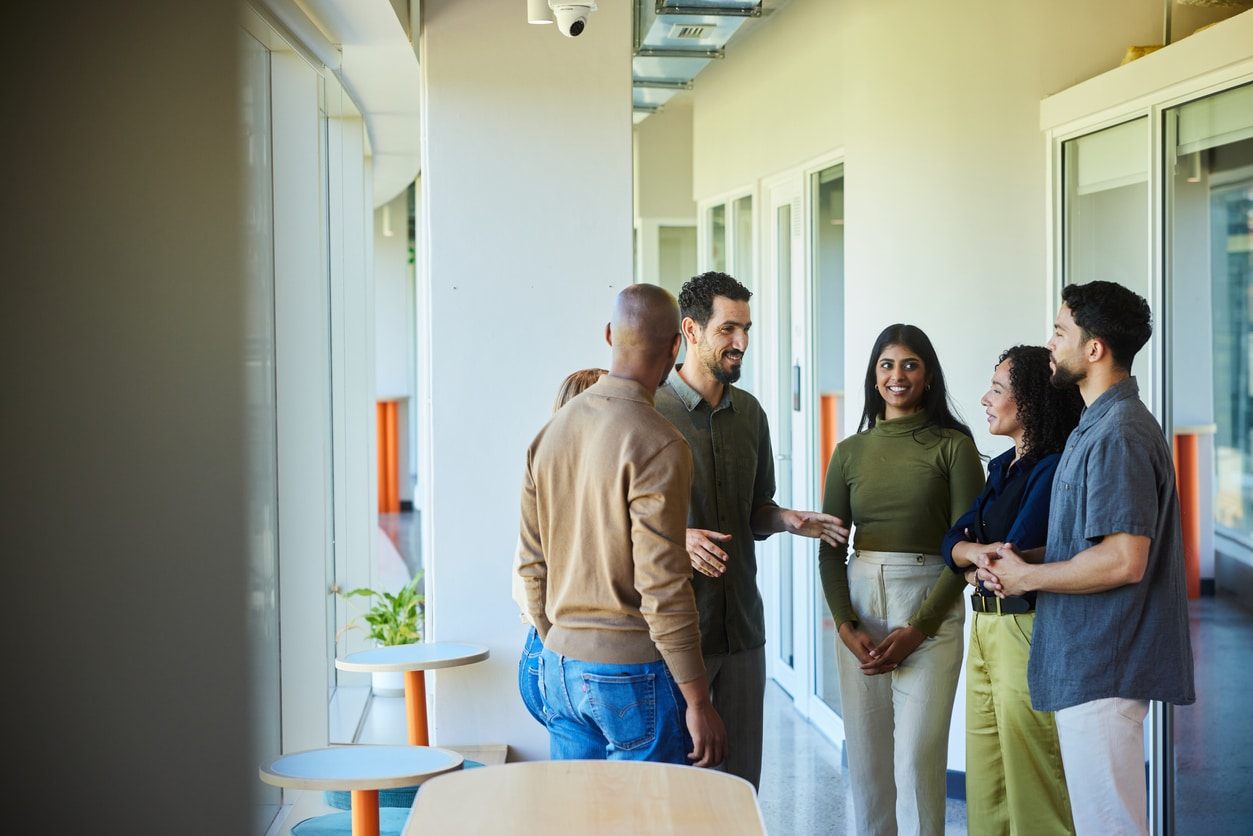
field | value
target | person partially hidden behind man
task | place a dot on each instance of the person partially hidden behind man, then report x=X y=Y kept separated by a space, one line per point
x=1111 y=625
x=603 y=562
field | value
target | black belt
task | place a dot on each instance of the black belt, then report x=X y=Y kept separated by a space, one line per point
x=1000 y=606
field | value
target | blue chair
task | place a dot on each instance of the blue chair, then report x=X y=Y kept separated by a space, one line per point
x=391 y=822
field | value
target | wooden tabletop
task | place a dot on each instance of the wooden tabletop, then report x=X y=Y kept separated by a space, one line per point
x=359 y=767
x=587 y=797
x=413 y=657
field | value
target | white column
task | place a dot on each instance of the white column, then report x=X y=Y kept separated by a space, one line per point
x=526 y=240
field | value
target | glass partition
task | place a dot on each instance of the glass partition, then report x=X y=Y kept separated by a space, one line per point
x=718 y=237
x=827 y=195
x=1208 y=187
x=742 y=218
x=783 y=427
x=261 y=420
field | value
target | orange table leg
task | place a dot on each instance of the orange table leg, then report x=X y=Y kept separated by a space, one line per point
x=415 y=707
x=365 y=813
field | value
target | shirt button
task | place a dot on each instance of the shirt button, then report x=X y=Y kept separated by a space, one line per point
x=918 y=558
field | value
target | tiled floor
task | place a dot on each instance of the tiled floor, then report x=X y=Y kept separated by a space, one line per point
x=804 y=789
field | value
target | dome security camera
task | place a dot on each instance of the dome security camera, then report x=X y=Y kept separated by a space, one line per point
x=571 y=17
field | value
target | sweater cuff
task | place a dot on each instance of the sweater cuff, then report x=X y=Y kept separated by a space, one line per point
x=931 y=614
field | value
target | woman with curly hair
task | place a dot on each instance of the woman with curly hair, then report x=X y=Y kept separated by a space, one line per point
x=901 y=480
x=1014 y=777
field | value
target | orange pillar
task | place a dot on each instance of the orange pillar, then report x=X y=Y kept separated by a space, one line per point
x=388 y=464
x=393 y=461
x=1188 y=481
x=829 y=428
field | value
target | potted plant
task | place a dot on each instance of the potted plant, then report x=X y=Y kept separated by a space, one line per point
x=393 y=618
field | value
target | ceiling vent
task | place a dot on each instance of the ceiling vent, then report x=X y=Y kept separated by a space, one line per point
x=691 y=31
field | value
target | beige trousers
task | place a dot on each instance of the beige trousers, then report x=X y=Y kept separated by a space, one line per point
x=896 y=724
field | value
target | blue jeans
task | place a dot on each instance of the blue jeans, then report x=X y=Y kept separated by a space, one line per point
x=528 y=676
x=613 y=712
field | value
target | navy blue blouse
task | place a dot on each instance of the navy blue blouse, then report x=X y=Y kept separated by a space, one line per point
x=1013 y=507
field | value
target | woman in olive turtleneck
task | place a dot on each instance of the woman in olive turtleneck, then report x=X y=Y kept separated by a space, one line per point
x=903 y=480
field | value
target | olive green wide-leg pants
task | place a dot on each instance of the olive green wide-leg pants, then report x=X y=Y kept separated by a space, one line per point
x=1015 y=783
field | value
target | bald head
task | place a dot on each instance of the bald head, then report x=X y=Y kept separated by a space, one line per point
x=644 y=333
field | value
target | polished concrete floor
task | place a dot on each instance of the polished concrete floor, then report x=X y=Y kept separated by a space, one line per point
x=804 y=788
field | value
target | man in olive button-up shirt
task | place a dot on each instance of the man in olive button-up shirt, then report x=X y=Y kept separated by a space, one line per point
x=732 y=505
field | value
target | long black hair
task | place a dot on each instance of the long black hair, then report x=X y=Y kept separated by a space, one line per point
x=935 y=400
x=1047 y=414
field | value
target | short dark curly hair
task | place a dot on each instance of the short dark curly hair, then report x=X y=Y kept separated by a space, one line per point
x=696 y=299
x=1047 y=413
x=1113 y=314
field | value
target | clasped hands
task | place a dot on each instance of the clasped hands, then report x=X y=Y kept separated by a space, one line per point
x=999 y=570
x=887 y=655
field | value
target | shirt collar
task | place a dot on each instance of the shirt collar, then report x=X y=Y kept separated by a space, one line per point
x=622 y=387
x=690 y=398
x=1120 y=391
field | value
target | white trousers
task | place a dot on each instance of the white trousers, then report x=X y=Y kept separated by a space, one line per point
x=1103 y=755
x=896 y=724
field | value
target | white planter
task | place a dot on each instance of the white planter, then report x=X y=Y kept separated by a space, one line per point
x=387 y=683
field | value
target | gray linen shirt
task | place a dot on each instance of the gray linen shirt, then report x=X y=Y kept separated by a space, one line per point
x=733 y=476
x=1116 y=475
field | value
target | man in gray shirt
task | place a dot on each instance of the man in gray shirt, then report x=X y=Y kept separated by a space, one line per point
x=732 y=506
x=1111 y=628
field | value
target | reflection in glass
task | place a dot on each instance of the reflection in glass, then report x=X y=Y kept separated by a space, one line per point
x=741 y=245
x=742 y=215
x=1209 y=220
x=261 y=417
x=718 y=238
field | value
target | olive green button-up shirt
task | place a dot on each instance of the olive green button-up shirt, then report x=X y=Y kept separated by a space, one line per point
x=732 y=477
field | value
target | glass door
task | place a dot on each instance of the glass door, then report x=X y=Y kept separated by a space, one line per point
x=784 y=262
x=1208 y=191
x=826 y=194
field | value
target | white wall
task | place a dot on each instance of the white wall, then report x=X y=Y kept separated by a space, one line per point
x=664 y=162
x=526 y=241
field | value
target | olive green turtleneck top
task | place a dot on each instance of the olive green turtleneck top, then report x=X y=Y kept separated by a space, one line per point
x=902 y=485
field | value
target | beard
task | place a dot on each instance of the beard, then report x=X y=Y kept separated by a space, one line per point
x=1064 y=378
x=715 y=368
x=725 y=376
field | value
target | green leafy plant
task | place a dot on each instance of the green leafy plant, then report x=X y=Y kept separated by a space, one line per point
x=393 y=618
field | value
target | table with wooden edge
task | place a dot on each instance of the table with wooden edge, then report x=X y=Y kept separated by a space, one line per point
x=414 y=660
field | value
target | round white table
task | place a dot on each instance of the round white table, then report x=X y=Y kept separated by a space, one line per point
x=364 y=770
x=414 y=660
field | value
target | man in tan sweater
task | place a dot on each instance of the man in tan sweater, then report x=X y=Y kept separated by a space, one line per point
x=602 y=557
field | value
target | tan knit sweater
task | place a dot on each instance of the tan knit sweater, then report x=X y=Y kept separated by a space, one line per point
x=601 y=549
